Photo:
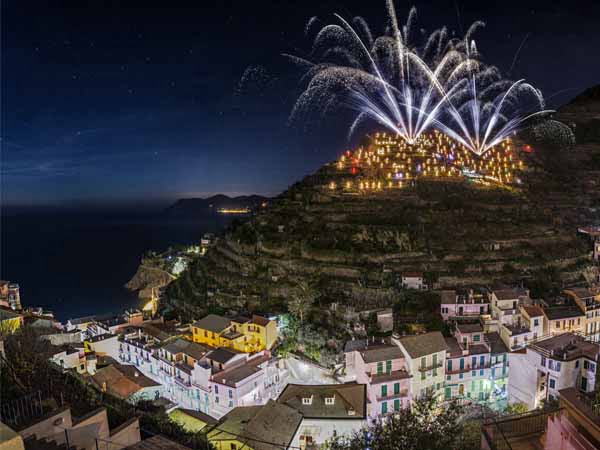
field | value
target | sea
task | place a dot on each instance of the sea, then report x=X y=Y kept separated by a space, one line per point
x=76 y=262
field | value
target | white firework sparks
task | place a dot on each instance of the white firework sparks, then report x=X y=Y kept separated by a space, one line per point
x=410 y=86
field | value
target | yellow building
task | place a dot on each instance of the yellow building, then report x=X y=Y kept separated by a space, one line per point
x=10 y=321
x=240 y=333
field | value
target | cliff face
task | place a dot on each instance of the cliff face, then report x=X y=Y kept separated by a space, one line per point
x=352 y=248
x=147 y=278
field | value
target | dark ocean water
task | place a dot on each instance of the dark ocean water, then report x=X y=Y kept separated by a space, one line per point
x=76 y=263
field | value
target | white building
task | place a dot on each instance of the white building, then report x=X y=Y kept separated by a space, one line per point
x=327 y=411
x=413 y=280
x=542 y=369
x=425 y=356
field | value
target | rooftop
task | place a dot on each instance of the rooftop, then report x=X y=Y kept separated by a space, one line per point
x=424 y=344
x=257 y=425
x=222 y=355
x=213 y=323
x=510 y=294
x=349 y=400
x=533 y=310
x=563 y=312
x=473 y=327
x=382 y=352
x=567 y=347
x=122 y=381
x=193 y=349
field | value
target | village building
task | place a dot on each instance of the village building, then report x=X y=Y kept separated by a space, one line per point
x=70 y=357
x=127 y=383
x=413 y=280
x=563 y=315
x=10 y=296
x=476 y=365
x=10 y=320
x=505 y=303
x=573 y=425
x=243 y=334
x=381 y=366
x=425 y=356
x=327 y=411
x=539 y=371
x=255 y=427
x=464 y=304
x=589 y=302
x=527 y=325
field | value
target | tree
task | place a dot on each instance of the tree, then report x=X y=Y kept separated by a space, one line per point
x=427 y=425
x=516 y=408
x=302 y=300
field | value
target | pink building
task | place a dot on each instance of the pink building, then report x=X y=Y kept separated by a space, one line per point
x=468 y=304
x=383 y=368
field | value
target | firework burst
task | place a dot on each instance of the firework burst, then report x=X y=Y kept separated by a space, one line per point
x=409 y=82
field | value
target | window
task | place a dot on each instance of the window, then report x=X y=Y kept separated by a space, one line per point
x=216 y=399
x=379 y=367
x=216 y=389
x=551 y=364
x=557 y=367
x=397 y=405
x=543 y=362
x=577 y=364
x=480 y=372
x=307 y=400
x=396 y=388
x=476 y=337
x=473 y=373
x=384 y=408
x=449 y=365
x=423 y=374
x=473 y=361
x=536 y=322
x=552 y=383
x=329 y=400
x=448 y=377
x=461 y=375
x=388 y=366
x=384 y=390
x=205 y=333
x=423 y=362
x=231 y=403
x=557 y=324
x=230 y=393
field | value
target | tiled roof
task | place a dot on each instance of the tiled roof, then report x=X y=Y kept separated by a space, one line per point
x=213 y=323
x=496 y=343
x=533 y=310
x=222 y=355
x=121 y=380
x=350 y=400
x=474 y=327
x=424 y=344
x=268 y=427
x=260 y=320
x=563 y=312
x=381 y=353
x=193 y=349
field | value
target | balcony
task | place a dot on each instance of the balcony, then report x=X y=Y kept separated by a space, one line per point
x=388 y=376
x=402 y=394
x=430 y=367
x=182 y=382
x=468 y=368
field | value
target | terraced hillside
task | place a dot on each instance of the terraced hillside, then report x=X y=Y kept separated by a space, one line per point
x=351 y=248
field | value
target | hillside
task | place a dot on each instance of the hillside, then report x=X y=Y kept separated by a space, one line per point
x=583 y=115
x=194 y=207
x=350 y=248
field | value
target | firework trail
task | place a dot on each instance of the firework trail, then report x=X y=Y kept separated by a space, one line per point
x=410 y=82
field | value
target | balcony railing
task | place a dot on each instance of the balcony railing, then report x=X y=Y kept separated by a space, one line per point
x=391 y=396
x=430 y=367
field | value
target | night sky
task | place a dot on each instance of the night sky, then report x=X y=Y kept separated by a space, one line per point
x=104 y=103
